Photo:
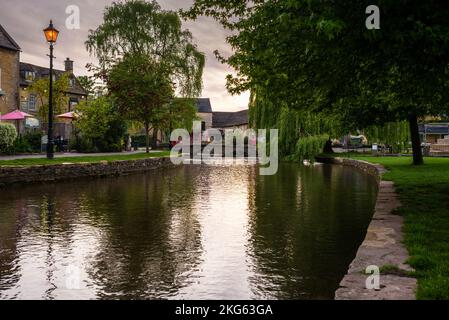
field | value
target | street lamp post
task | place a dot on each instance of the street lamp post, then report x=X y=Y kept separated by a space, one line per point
x=51 y=34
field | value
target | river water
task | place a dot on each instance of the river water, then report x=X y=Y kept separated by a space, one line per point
x=192 y=232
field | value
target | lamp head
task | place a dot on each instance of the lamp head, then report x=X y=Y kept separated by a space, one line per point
x=51 y=34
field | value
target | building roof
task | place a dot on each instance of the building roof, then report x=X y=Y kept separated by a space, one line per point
x=434 y=128
x=6 y=41
x=229 y=119
x=42 y=72
x=203 y=105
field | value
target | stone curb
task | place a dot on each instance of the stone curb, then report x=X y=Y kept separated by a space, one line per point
x=383 y=246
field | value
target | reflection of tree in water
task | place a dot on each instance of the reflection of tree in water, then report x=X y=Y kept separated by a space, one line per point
x=305 y=226
x=36 y=213
x=136 y=236
x=151 y=239
x=9 y=233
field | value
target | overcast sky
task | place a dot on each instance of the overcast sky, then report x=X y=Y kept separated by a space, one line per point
x=25 y=19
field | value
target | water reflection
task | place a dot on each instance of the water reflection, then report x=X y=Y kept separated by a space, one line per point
x=305 y=234
x=195 y=232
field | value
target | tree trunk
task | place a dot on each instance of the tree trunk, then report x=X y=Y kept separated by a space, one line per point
x=416 y=141
x=147 y=135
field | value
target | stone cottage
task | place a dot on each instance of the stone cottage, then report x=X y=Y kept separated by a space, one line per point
x=9 y=72
x=16 y=77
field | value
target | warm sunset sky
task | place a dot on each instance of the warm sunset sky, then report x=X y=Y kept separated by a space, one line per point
x=25 y=19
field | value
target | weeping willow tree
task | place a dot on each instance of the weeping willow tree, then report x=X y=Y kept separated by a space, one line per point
x=316 y=48
x=394 y=134
x=302 y=133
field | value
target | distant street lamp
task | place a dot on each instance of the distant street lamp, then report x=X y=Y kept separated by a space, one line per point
x=51 y=34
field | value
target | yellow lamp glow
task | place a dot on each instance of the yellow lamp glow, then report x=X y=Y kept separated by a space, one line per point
x=51 y=34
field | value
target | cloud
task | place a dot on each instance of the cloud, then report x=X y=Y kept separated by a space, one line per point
x=25 y=20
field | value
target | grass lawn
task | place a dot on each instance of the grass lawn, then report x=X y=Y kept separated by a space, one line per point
x=91 y=159
x=424 y=193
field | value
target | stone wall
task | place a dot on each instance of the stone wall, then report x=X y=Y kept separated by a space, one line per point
x=369 y=168
x=9 y=63
x=207 y=118
x=48 y=173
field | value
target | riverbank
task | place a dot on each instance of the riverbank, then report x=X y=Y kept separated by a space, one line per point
x=382 y=248
x=34 y=170
x=29 y=160
x=424 y=195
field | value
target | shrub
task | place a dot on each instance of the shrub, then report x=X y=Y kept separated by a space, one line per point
x=21 y=145
x=81 y=144
x=35 y=140
x=138 y=141
x=8 y=134
x=28 y=143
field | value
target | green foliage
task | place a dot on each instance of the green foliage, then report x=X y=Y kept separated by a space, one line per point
x=141 y=91
x=394 y=134
x=321 y=52
x=60 y=100
x=423 y=191
x=138 y=141
x=101 y=126
x=8 y=134
x=178 y=113
x=318 y=56
x=145 y=57
x=89 y=85
x=300 y=131
x=27 y=143
x=138 y=27
x=308 y=147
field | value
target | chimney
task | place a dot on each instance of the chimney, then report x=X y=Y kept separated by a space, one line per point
x=68 y=65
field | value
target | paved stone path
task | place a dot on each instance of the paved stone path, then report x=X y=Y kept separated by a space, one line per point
x=383 y=246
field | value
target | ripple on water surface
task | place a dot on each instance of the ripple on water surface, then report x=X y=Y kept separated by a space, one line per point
x=194 y=232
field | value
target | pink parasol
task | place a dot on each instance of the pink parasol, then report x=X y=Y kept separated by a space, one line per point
x=16 y=115
x=68 y=115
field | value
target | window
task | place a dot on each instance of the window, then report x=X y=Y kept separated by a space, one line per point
x=32 y=102
x=30 y=76
x=72 y=82
x=73 y=102
x=24 y=105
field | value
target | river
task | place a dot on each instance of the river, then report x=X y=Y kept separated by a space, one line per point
x=192 y=232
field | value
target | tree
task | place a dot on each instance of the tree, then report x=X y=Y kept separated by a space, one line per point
x=60 y=99
x=93 y=88
x=178 y=113
x=143 y=50
x=88 y=85
x=141 y=91
x=396 y=135
x=319 y=56
x=101 y=124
